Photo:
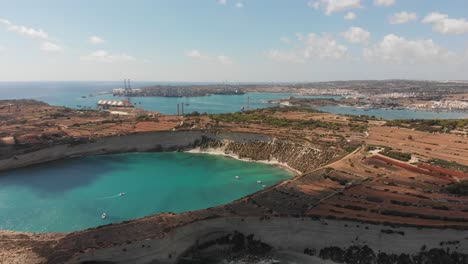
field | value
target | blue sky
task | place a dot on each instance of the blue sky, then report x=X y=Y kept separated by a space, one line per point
x=233 y=40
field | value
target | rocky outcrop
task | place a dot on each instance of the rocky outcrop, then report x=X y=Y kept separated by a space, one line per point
x=140 y=142
x=302 y=156
x=271 y=220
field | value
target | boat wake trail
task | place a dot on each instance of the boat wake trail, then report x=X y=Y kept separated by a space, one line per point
x=109 y=197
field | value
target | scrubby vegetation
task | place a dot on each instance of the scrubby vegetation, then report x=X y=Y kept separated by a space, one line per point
x=396 y=154
x=365 y=255
x=459 y=188
x=431 y=125
x=358 y=127
x=451 y=165
x=285 y=109
x=142 y=118
x=361 y=118
x=266 y=118
x=196 y=113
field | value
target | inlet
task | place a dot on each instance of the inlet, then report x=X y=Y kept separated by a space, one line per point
x=76 y=194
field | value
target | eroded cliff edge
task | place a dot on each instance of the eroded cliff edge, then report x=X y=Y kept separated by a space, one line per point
x=281 y=217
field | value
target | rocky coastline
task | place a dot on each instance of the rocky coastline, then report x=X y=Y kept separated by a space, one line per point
x=268 y=216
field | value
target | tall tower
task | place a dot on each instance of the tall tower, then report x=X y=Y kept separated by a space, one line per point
x=127 y=90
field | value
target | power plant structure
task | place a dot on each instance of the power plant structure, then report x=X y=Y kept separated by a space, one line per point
x=180 y=109
x=127 y=91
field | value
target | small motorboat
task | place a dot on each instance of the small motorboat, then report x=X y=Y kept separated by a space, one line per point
x=104 y=216
x=259 y=182
x=264 y=186
x=121 y=194
x=237 y=177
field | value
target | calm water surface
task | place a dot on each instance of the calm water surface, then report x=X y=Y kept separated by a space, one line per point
x=394 y=114
x=70 y=94
x=72 y=194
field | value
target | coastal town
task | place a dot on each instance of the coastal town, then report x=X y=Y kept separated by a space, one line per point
x=234 y=132
x=391 y=94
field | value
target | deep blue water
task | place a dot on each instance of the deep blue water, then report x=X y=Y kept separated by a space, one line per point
x=70 y=94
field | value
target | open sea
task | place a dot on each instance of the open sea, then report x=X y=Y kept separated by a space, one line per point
x=71 y=94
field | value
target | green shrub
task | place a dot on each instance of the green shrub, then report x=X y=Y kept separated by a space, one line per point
x=459 y=188
x=452 y=165
x=396 y=155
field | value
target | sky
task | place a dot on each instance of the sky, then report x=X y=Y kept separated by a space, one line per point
x=233 y=40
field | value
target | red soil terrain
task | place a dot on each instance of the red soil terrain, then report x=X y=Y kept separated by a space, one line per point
x=379 y=189
x=360 y=186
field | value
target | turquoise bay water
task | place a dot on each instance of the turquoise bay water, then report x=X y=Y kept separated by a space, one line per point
x=72 y=194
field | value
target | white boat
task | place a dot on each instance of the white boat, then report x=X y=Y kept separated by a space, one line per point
x=121 y=194
x=104 y=215
x=237 y=177
x=259 y=182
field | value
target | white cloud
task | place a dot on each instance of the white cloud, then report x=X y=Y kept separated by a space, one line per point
x=95 y=40
x=239 y=5
x=300 y=36
x=395 y=49
x=357 y=35
x=333 y=6
x=441 y=23
x=402 y=18
x=193 y=54
x=350 y=16
x=223 y=59
x=50 y=47
x=25 y=31
x=314 y=46
x=285 y=40
x=105 y=56
x=384 y=2
x=196 y=54
x=288 y=56
x=47 y=43
x=222 y=2
x=314 y=4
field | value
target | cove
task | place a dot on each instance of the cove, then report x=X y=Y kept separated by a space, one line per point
x=70 y=195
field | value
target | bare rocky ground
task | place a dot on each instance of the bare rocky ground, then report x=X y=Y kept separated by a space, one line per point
x=400 y=212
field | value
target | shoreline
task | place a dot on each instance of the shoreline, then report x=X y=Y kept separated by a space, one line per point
x=139 y=240
x=165 y=141
x=220 y=152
